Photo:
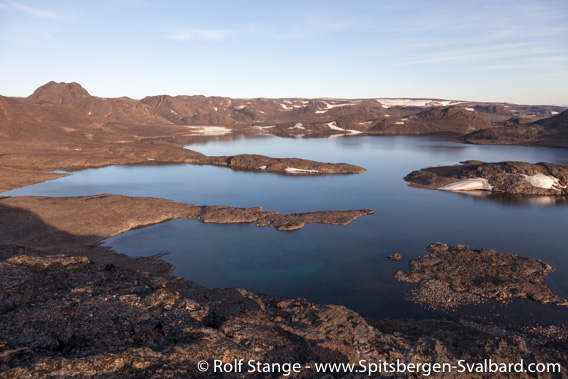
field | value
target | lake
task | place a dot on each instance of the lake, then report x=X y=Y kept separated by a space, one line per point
x=344 y=265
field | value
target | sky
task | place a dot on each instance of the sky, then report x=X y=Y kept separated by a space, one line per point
x=512 y=51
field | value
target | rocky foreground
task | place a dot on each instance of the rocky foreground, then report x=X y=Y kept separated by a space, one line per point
x=67 y=316
x=519 y=178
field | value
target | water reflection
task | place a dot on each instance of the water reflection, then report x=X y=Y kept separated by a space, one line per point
x=515 y=199
x=196 y=140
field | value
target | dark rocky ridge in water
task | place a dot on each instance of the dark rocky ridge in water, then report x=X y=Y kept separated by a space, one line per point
x=83 y=220
x=293 y=166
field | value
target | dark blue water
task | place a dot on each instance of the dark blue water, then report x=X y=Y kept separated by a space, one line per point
x=333 y=264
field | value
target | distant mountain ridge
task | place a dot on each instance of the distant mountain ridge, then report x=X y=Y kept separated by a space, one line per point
x=478 y=122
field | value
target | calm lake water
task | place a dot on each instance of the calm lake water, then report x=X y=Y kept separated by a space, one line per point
x=330 y=264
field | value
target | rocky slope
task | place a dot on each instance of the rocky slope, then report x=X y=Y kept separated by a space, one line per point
x=503 y=177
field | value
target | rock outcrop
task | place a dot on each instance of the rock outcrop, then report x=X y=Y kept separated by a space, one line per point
x=455 y=275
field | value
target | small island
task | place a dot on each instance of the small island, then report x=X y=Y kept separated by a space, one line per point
x=519 y=178
x=450 y=276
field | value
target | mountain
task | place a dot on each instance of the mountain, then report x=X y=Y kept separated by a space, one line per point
x=67 y=94
x=121 y=109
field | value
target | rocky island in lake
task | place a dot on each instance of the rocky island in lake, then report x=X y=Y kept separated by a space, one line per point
x=519 y=178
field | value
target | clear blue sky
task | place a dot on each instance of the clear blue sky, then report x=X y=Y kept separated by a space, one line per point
x=483 y=50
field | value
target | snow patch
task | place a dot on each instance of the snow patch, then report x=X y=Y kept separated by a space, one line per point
x=330 y=106
x=351 y=132
x=365 y=122
x=240 y=106
x=286 y=106
x=553 y=112
x=260 y=127
x=543 y=181
x=293 y=170
x=399 y=122
x=297 y=126
x=209 y=130
x=325 y=110
x=470 y=109
x=333 y=125
x=262 y=167
x=468 y=185
x=416 y=102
